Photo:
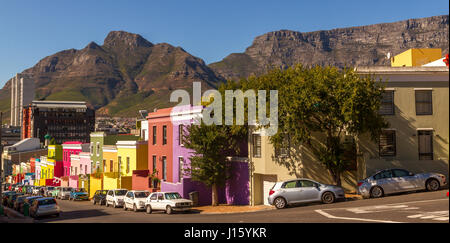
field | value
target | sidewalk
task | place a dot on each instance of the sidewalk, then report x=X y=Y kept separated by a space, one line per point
x=226 y=209
x=11 y=216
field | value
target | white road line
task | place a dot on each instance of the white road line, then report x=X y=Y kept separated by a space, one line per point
x=347 y=218
x=392 y=204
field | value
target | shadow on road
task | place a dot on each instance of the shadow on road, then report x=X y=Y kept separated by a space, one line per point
x=72 y=215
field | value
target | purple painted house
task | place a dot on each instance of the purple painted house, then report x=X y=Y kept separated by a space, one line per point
x=236 y=190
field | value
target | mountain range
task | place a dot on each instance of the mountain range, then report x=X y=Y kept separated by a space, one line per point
x=128 y=73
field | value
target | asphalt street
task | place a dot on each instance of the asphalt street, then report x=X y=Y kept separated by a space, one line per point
x=422 y=207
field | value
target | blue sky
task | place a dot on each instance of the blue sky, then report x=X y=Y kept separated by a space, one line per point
x=31 y=30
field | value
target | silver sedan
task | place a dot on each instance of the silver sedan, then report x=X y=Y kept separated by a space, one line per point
x=391 y=181
x=301 y=191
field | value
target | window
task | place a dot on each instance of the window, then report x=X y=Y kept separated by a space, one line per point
x=306 y=183
x=104 y=166
x=290 y=184
x=424 y=102
x=119 y=160
x=256 y=146
x=111 y=165
x=98 y=149
x=128 y=165
x=180 y=134
x=425 y=145
x=160 y=196
x=153 y=196
x=180 y=168
x=383 y=175
x=387 y=103
x=154 y=162
x=387 y=143
x=164 y=168
x=154 y=135
x=400 y=173
x=164 y=142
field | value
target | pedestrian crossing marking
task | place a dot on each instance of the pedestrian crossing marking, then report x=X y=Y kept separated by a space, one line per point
x=438 y=215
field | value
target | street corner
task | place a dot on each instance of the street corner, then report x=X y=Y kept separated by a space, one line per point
x=230 y=209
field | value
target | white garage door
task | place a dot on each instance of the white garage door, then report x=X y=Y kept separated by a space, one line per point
x=267 y=185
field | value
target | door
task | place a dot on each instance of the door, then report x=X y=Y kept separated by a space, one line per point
x=128 y=200
x=308 y=191
x=160 y=202
x=404 y=181
x=385 y=181
x=267 y=186
x=291 y=191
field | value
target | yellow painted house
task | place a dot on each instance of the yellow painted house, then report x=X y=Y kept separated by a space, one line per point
x=416 y=57
x=110 y=170
x=131 y=155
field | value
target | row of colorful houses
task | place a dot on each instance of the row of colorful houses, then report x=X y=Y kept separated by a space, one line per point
x=415 y=103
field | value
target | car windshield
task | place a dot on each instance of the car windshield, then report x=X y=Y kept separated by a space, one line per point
x=120 y=192
x=174 y=195
x=48 y=201
x=80 y=190
x=50 y=188
x=103 y=192
x=67 y=189
x=141 y=194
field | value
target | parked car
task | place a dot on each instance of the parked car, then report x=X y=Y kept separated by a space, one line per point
x=54 y=193
x=391 y=181
x=64 y=193
x=48 y=191
x=12 y=198
x=19 y=202
x=5 y=197
x=135 y=200
x=44 y=206
x=303 y=190
x=29 y=189
x=28 y=200
x=168 y=202
x=99 y=197
x=78 y=194
x=115 y=197
x=36 y=190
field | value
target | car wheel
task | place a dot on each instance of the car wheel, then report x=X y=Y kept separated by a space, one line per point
x=376 y=192
x=280 y=203
x=94 y=202
x=328 y=197
x=114 y=205
x=107 y=204
x=148 y=209
x=169 y=209
x=135 y=208
x=125 y=207
x=432 y=185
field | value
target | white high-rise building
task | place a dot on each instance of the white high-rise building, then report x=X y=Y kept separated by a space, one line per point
x=22 y=93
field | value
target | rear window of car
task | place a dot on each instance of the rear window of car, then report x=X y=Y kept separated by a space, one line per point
x=120 y=192
x=49 y=201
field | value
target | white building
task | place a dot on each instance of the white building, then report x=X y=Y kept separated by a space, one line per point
x=22 y=93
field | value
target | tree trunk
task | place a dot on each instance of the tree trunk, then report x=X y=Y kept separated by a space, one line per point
x=215 y=196
x=337 y=177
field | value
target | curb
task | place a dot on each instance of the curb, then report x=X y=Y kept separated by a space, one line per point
x=16 y=217
x=260 y=210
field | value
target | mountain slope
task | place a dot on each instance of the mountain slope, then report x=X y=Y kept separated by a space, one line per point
x=355 y=46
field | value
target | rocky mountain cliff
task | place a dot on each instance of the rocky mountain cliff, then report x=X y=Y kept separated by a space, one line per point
x=128 y=73
x=356 y=46
x=125 y=74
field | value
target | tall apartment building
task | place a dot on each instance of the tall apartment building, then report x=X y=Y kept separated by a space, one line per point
x=22 y=93
x=62 y=120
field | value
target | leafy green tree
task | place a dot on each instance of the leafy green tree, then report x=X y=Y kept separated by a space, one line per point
x=317 y=107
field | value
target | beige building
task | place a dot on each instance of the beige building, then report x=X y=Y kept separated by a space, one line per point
x=416 y=105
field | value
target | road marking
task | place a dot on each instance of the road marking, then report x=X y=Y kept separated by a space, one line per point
x=438 y=215
x=382 y=208
x=360 y=219
x=392 y=204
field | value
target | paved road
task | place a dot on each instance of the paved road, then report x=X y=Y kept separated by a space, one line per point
x=431 y=207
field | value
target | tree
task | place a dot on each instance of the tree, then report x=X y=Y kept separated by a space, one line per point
x=317 y=107
x=211 y=145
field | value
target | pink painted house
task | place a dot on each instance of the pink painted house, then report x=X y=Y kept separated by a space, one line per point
x=70 y=171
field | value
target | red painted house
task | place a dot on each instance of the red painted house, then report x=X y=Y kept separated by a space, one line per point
x=160 y=149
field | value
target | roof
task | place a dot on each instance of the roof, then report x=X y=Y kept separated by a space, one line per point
x=401 y=70
x=59 y=104
x=160 y=113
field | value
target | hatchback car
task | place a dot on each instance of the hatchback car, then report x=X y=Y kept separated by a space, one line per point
x=168 y=202
x=64 y=193
x=99 y=197
x=78 y=194
x=391 y=181
x=302 y=191
x=116 y=197
x=135 y=200
x=44 y=206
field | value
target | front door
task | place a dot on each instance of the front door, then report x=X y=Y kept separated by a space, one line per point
x=309 y=191
x=404 y=181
